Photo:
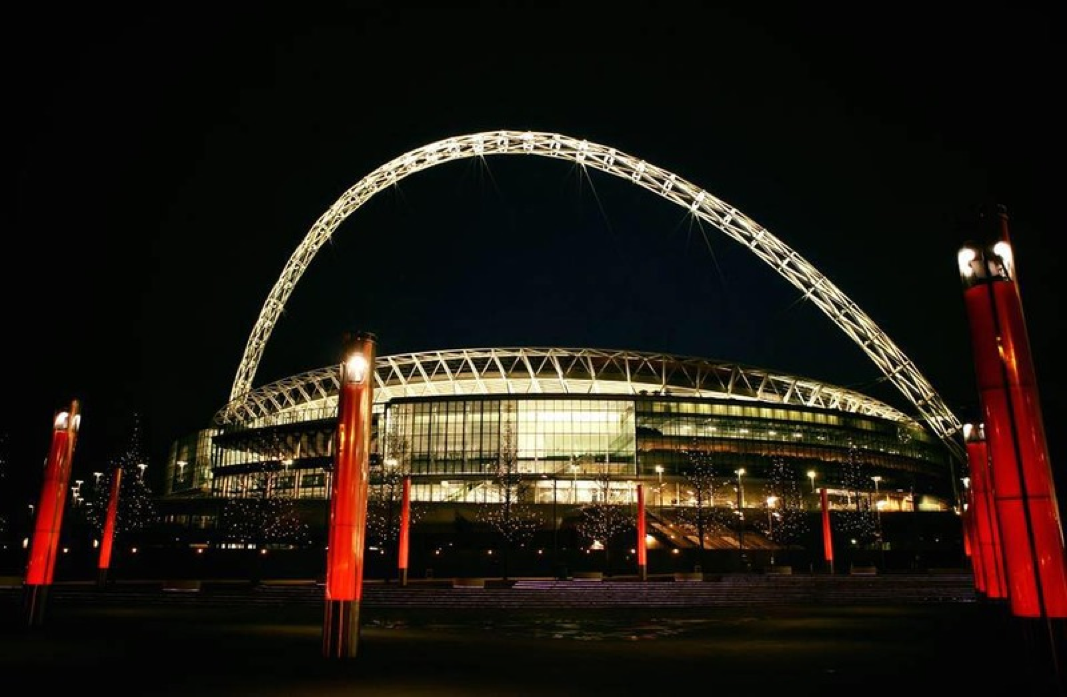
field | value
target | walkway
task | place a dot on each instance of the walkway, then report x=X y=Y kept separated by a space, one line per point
x=265 y=641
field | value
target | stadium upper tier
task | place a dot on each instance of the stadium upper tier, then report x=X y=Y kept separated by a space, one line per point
x=537 y=370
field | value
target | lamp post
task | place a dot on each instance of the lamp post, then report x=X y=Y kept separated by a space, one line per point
x=659 y=490
x=104 y=560
x=811 y=476
x=40 y=569
x=142 y=466
x=740 y=514
x=771 y=500
x=348 y=498
x=878 y=512
x=1035 y=556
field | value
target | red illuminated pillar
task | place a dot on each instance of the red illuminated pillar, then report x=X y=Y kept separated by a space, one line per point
x=642 y=550
x=1023 y=489
x=986 y=555
x=348 y=498
x=109 y=528
x=827 y=537
x=405 y=526
x=965 y=524
x=40 y=569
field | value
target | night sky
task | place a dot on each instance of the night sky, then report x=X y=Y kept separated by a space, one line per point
x=168 y=160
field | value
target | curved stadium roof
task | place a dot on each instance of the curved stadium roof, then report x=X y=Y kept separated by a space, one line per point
x=569 y=371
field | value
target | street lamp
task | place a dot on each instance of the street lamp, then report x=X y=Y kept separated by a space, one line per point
x=142 y=466
x=659 y=473
x=97 y=475
x=181 y=470
x=811 y=476
x=771 y=500
x=878 y=509
x=740 y=514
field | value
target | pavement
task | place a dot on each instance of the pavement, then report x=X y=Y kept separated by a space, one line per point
x=200 y=649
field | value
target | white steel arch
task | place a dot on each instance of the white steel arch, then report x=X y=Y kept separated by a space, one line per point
x=890 y=360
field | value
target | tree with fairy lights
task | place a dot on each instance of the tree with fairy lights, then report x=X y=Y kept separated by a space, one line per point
x=255 y=519
x=386 y=494
x=281 y=523
x=787 y=522
x=858 y=521
x=136 y=512
x=607 y=516
x=239 y=522
x=509 y=516
x=699 y=517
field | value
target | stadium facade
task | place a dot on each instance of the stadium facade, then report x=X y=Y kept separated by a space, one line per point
x=576 y=427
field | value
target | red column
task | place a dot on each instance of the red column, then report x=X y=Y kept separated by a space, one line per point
x=348 y=502
x=827 y=536
x=40 y=569
x=1023 y=488
x=987 y=557
x=642 y=549
x=109 y=527
x=405 y=526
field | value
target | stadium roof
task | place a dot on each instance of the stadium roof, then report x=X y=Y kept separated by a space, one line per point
x=565 y=371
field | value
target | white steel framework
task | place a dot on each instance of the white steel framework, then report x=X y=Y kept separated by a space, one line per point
x=535 y=371
x=855 y=323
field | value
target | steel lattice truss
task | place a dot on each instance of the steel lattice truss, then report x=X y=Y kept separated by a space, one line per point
x=532 y=371
x=885 y=354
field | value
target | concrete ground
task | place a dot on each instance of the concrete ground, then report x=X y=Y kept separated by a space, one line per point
x=203 y=651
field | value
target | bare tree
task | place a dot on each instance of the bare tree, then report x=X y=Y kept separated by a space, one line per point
x=607 y=516
x=510 y=516
x=386 y=493
x=859 y=521
x=699 y=516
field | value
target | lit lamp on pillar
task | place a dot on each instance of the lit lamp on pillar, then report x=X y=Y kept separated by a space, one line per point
x=405 y=535
x=104 y=560
x=40 y=569
x=642 y=541
x=348 y=500
x=740 y=514
x=878 y=506
x=771 y=513
x=1023 y=486
x=988 y=556
x=659 y=488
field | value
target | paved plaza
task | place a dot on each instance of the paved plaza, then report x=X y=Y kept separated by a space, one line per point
x=204 y=649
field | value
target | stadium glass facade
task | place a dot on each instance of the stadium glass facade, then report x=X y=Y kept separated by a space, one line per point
x=578 y=426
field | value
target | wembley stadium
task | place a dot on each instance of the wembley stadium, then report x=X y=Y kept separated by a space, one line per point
x=543 y=446
x=563 y=430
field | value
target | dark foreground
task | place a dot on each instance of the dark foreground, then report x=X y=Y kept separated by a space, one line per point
x=204 y=650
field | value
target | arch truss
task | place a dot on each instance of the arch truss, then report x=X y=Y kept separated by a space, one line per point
x=815 y=286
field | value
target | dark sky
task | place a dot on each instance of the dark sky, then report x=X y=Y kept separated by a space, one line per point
x=169 y=158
